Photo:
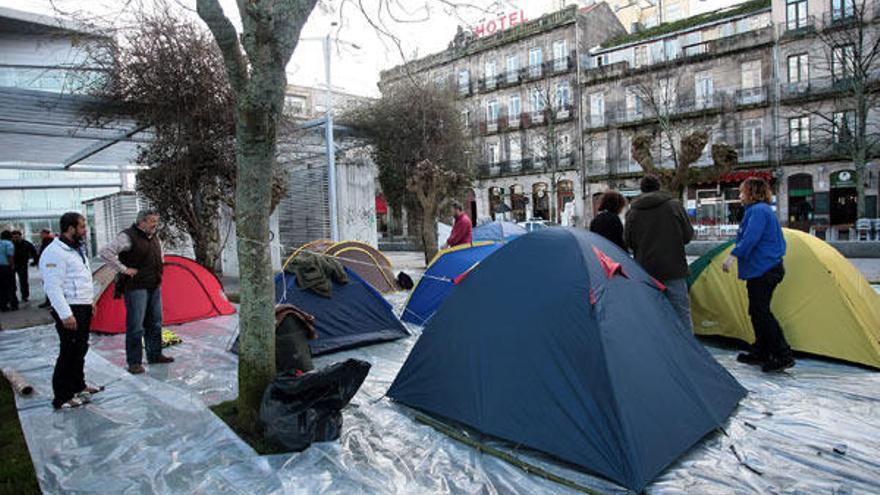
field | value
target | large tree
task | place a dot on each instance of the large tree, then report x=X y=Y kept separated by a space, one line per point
x=419 y=145
x=671 y=149
x=166 y=74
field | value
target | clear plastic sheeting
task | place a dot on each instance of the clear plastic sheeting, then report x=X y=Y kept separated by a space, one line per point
x=815 y=429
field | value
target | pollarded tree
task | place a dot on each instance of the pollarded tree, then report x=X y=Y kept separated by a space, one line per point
x=419 y=145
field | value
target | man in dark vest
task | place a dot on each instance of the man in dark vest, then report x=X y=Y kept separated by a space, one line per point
x=136 y=254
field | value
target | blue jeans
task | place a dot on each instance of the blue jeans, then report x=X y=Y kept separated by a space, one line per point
x=143 y=324
x=677 y=292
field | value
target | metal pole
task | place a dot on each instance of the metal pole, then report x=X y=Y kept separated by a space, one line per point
x=331 y=147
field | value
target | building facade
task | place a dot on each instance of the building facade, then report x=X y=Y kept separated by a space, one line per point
x=769 y=78
x=517 y=91
x=49 y=161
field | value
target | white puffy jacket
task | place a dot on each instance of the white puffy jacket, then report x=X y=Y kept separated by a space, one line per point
x=67 y=278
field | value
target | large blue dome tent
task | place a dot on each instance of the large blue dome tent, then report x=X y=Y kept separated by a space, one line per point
x=560 y=342
x=440 y=278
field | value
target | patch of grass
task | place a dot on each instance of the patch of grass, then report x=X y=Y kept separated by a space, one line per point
x=228 y=412
x=17 y=476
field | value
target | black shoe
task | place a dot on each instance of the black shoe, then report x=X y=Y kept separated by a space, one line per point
x=24 y=299
x=750 y=358
x=777 y=364
x=162 y=359
x=45 y=304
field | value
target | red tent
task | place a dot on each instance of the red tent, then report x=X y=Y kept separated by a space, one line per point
x=189 y=293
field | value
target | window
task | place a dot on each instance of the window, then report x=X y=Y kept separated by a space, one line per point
x=753 y=137
x=563 y=95
x=633 y=104
x=842 y=9
x=843 y=126
x=536 y=58
x=489 y=74
x=513 y=108
x=641 y=57
x=672 y=48
x=795 y=14
x=563 y=145
x=492 y=153
x=667 y=93
x=560 y=55
x=705 y=89
x=492 y=111
x=673 y=12
x=464 y=81
x=842 y=59
x=466 y=118
x=512 y=69
x=440 y=80
x=597 y=109
x=799 y=131
x=751 y=74
x=515 y=148
x=798 y=68
x=296 y=105
x=537 y=101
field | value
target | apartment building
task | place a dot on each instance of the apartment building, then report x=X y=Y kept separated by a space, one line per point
x=518 y=92
x=711 y=73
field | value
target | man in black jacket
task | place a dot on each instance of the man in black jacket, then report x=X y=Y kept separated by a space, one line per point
x=24 y=252
x=657 y=229
x=136 y=253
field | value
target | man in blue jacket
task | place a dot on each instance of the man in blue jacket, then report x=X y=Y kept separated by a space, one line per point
x=760 y=247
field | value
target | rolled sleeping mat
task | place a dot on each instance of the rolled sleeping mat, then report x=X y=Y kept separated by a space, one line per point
x=19 y=384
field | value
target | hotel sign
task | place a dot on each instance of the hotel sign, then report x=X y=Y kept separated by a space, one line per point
x=500 y=23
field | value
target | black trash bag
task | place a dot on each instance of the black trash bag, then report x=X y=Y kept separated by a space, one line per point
x=299 y=410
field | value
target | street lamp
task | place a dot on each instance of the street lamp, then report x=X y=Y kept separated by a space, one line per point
x=328 y=131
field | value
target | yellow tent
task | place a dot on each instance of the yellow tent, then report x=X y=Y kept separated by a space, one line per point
x=824 y=305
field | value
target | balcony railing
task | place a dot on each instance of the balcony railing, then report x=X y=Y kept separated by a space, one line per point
x=820 y=150
x=751 y=96
x=819 y=86
x=528 y=165
x=753 y=154
x=797 y=27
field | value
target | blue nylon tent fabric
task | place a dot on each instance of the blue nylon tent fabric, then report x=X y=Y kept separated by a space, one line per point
x=518 y=351
x=437 y=282
x=354 y=316
x=498 y=231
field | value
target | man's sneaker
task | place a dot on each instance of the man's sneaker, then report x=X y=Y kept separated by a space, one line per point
x=72 y=403
x=162 y=359
x=750 y=358
x=84 y=396
x=136 y=369
x=777 y=364
x=92 y=390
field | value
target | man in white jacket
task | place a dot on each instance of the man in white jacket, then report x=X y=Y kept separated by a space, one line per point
x=67 y=281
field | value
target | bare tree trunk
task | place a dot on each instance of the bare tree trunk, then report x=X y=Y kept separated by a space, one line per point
x=429 y=232
x=256 y=132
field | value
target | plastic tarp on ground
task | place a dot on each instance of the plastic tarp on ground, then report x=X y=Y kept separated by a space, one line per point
x=813 y=430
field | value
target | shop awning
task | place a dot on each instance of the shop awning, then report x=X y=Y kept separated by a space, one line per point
x=741 y=175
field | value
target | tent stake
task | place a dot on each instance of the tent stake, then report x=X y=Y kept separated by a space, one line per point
x=481 y=447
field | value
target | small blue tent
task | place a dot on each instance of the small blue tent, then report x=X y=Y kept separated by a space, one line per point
x=439 y=279
x=498 y=231
x=560 y=342
x=354 y=316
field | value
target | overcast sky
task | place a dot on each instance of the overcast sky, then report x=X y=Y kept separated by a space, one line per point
x=354 y=70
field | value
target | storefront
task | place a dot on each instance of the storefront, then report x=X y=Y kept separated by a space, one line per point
x=844 y=198
x=715 y=208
